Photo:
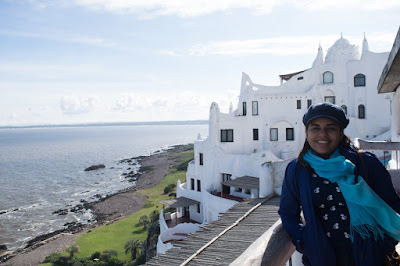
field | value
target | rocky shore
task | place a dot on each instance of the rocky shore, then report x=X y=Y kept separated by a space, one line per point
x=106 y=210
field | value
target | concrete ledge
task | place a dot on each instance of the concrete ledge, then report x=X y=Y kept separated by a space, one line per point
x=273 y=248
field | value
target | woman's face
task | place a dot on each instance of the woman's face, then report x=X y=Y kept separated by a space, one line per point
x=324 y=136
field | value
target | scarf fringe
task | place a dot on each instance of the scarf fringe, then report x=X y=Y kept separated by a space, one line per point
x=367 y=231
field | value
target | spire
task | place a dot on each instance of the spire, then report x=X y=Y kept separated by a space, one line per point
x=365 y=47
x=319 y=60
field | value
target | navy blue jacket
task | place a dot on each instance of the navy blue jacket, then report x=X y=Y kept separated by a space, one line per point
x=310 y=239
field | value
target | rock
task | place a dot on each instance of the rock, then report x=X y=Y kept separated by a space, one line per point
x=95 y=167
x=3 y=247
x=61 y=212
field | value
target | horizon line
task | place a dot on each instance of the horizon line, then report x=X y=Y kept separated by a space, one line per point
x=169 y=122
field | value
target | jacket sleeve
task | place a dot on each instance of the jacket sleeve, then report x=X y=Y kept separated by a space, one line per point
x=290 y=208
x=381 y=182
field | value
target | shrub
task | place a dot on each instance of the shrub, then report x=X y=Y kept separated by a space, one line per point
x=52 y=257
x=95 y=255
x=169 y=188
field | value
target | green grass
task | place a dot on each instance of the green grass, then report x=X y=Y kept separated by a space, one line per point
x=114 y=236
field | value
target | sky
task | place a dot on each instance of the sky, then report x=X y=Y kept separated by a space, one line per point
x=90 y=61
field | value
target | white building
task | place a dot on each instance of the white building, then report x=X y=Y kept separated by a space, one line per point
x=247 y=149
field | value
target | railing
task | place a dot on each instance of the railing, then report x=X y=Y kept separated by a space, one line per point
x=273 y=248
x=385 y=146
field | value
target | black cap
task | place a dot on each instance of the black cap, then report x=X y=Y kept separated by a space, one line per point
x=326 y=110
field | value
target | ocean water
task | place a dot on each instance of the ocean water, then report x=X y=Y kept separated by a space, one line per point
x=42 y=171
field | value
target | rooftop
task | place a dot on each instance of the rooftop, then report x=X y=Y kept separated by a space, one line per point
x=222 y=241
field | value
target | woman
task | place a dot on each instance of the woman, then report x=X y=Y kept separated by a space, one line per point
x=348 y=201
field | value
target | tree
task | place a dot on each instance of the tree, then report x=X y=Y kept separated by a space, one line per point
x=132 y=246
x=154 y=216
x=145 y=221
x=72 y=250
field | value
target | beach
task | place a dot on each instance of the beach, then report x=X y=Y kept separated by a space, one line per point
x=107 y=210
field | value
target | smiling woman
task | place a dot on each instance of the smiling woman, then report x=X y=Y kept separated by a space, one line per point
x=350 y=209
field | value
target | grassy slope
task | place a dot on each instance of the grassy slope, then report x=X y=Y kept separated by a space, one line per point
x=114 y=236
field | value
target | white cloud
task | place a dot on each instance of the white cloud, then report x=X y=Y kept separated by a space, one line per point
x=61 y=37
x=75 y=105
x=188 y=8
x=381 y=41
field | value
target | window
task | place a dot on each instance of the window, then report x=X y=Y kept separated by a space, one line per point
x=344 y=107
x=273 y=132
x=359 y=80
x=361 y=111
x=330 y=99
x=247 y=191
x=201 y=159
x=226 y=177
x=328 y=77
x=226 y=135
x=198 y=185
x=198 y=207
x=255 y=108
x=192 y=184
x=255 y=133
x=299 y=78
x=309 y=103
x=244 y=108
x=289 y=133
x=238 y=189
x=298 y=104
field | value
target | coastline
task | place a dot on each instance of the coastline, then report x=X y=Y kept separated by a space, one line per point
x=153 y=169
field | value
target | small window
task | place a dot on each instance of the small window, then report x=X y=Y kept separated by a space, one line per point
x=226 y=177
x=198 y=185
x=330 y=99
x=298 y=104
x=273 y=134
x=198 y=207
x=255 y=133
x=309 y=103
x=361 y=111
x=247 y=191
x=359 y=80
x=192 y=184
x=238 y=189
x=328 y=77
x=344 y=107
x=255 y=108
x=201 y=158
x=299 y=78
x=244 y=108
x=226 y=135
x=289 y=133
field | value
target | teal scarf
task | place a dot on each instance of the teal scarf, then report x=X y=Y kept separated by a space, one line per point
x=368 y=212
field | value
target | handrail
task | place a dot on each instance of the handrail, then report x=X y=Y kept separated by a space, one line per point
x=377 y=145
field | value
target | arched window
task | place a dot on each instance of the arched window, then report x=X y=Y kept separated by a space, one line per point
x=359 y=80
x=344 y=107
x=327 y=77
x=361 y=111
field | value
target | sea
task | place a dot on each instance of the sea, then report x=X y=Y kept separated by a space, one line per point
x=42 y=171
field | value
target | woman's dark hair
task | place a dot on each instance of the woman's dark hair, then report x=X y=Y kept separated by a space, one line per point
x=344 y=143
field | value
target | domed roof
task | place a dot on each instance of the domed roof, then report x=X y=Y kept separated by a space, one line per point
x=342 y=50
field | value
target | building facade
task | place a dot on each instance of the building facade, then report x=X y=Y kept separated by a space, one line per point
x=247 y=149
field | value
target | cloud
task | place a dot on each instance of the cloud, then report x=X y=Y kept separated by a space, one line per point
x=74 y=105
x=62 y=37
x=281 y=45
x=187 y=8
